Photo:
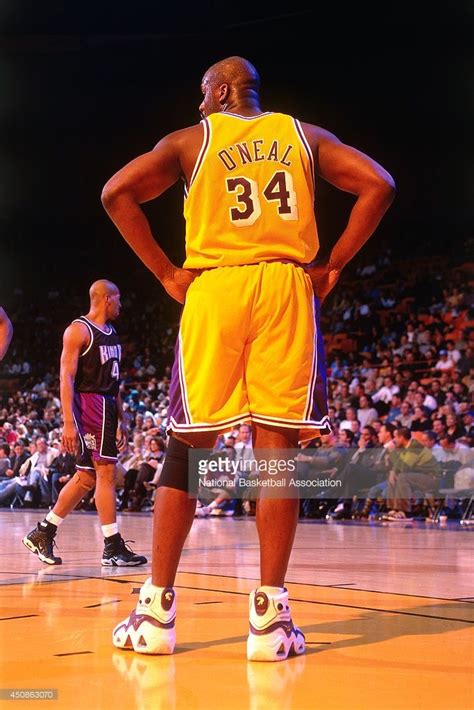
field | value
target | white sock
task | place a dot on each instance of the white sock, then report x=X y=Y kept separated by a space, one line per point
x=54 y=519
x=213 y=504
x=110 y=529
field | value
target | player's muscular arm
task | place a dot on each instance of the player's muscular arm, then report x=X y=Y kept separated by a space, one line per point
x=350 y=170
x=144 y=179
x=6 y=333
x=75 y=340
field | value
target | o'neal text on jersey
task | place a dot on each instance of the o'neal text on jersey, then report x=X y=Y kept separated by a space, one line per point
x=253 y=152
x=110 y=352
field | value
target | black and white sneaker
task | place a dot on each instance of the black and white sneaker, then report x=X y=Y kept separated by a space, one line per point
x=118 y=554
x=41 y=541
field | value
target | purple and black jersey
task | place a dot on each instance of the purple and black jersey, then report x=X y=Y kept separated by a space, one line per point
x=98 y=368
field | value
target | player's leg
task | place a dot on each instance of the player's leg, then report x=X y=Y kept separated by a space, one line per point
x=174 y=508
x=207 y=386
x=150 y=628
x=105 y=499
x=283 y=372
x=73 y=492
x=40 y=540
x=272 y=635
x=276 y=540
x=116 y=553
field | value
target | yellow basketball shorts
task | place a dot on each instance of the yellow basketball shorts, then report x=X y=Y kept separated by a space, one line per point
x=250 y=349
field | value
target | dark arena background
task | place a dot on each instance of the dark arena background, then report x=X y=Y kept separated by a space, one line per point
x=386 y=604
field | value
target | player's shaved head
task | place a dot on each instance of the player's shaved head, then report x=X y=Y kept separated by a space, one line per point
x=230 y=85
x=101 y=289
x=235 y=71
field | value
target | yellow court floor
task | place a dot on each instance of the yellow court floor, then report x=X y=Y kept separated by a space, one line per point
x=387 y=612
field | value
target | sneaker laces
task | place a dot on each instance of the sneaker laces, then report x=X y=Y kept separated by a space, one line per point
x=125 y=546
x=51 y=537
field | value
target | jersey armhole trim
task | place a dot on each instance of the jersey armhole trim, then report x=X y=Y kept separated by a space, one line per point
x=202 y=153
x=305 y=144
x=91 y=333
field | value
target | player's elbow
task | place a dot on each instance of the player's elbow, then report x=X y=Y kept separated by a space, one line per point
x=385 y=187
x=110 y=194
x=114 y=192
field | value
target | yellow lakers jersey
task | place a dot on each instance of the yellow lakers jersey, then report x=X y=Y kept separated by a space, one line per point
x=251 y=194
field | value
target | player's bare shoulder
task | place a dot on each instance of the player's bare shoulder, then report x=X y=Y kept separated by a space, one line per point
x=185 y=144
x=316 y=136
x=76 y=337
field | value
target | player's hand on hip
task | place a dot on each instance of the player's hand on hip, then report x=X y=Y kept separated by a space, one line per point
x=122 y=436
x=69 y=438
x=177 y=282
x=324 y=277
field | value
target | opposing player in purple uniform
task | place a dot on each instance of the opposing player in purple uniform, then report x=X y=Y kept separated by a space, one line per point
x=93 y=426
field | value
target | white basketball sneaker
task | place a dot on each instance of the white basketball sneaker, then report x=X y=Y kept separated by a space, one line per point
x=150 y=627
x=272 y=637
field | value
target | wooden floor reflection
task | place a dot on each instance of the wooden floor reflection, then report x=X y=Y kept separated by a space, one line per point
x=387 y=612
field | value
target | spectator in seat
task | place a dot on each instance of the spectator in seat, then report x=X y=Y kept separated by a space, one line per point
x=467 y=429
x=18 y=459
x=420 y=420
x=5 y=464
x=345 y=438
x=366 y=414
x=430 y=441
x=444 y=363
x=361 y=470
x=405 y=417
x=379 y=490
x=453 y=352
x=243 y=445
x=37 y=469
x=146 y=472
x=62 y=469
x=452 y=450
x=9 y=434
x=466 y=362
x=350 y=418
x=413 y=470
x=453 y=426
x=395 y=409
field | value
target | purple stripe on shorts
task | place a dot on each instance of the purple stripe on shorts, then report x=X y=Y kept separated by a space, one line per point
x=319 y=401
x=176 y=407
x=88 y=408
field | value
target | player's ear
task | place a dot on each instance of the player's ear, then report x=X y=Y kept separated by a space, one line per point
x=224 y=91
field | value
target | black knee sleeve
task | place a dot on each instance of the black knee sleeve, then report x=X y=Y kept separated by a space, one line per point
x=175 y=468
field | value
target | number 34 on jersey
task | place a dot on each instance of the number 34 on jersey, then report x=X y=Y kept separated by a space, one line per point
x=248 y=194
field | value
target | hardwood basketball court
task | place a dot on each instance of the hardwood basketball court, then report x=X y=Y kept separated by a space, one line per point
x=387 y=610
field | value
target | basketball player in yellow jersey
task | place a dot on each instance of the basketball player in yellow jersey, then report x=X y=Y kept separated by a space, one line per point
x=249 y=346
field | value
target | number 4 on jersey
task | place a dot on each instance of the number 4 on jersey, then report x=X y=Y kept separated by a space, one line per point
x=278 y=189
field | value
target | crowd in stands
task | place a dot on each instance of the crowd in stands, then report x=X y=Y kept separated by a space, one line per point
x=399 y=338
